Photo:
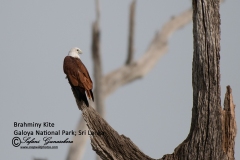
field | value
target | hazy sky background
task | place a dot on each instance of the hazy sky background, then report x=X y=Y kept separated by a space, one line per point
x=155 y=112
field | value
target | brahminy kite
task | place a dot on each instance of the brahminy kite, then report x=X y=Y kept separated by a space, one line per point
x=78 y=76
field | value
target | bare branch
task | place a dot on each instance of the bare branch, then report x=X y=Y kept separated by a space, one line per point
x=107 y=143
x=76 y=150
x=96 y=56
x=229 y=124
x=131 y=33
x=141 y=67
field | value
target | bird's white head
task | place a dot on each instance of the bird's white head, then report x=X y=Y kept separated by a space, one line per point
x=75 y=52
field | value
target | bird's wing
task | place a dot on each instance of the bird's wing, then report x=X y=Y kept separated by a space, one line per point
x=77 y=73
x=84 y=75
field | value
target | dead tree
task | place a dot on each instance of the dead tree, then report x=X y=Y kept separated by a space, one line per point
x=213 y=130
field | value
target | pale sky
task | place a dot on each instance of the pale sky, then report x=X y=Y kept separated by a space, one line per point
x=154 y=112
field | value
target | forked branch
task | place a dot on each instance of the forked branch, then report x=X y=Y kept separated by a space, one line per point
x=157 y=48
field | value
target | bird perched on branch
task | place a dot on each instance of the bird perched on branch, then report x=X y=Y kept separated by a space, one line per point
x=78 y=76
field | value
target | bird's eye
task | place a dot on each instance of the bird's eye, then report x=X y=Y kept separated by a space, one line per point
x=77 y=50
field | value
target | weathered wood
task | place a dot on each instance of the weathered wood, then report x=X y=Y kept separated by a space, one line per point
x=107 y=143
x=205 y=139
x=229 y=124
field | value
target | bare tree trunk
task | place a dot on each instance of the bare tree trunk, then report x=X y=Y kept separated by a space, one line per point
x=205 y=138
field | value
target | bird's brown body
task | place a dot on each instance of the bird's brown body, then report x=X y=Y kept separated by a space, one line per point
x=79 y=79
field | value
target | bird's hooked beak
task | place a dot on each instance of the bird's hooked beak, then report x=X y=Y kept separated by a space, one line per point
x=80 y=52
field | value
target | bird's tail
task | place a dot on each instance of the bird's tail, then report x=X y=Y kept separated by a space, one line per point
x=80 y=94
x=90 y=94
